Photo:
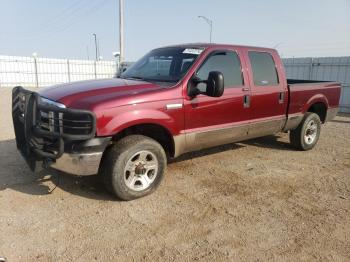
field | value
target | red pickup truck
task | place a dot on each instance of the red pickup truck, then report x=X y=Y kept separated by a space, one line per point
x=174 y=100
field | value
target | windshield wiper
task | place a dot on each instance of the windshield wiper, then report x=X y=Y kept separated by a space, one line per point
x=150 y=79
x=134 y=78
x=163 y=80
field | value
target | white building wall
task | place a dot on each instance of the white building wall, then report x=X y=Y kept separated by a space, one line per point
x=32 y=72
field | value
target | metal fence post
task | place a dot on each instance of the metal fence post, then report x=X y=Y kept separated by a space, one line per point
x=117 y=73
x=68 y=70
x=36 y=73
x=311 y=68
x=95 y=69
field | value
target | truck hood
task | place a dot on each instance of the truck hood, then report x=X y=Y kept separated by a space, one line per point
x=91 y=93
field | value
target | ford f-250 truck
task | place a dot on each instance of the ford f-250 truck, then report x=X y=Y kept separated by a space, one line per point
x=173 y=100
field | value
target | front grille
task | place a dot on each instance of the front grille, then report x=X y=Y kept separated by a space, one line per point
x=66 y=123
x=77 y=124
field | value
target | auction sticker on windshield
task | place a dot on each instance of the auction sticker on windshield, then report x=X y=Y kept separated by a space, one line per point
x=194 y=51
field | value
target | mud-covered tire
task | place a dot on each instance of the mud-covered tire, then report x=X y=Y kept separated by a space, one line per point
x=133 y=167
x=306 y=135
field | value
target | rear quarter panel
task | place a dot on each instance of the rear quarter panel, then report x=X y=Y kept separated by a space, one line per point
x=303 y=96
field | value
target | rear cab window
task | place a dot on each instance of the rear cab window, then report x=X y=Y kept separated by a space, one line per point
x=263 y=68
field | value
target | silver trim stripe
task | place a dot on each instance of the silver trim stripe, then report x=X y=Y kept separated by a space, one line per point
x=173 y=106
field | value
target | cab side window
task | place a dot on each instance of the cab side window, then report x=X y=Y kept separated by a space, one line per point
x=226 y=62
x=264 y=69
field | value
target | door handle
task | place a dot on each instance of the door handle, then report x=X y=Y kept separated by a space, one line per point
x=281 y=98
x=245 y=89
x=246 y=101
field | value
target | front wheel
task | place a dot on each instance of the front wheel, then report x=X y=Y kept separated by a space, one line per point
x=133 y=167
x=306 y=135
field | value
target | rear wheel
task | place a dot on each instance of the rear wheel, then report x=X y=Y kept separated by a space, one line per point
x=306 y=135
x=133 y=167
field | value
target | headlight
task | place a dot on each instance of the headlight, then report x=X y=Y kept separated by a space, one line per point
x=47 y=102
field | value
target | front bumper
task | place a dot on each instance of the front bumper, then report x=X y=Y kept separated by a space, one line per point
x=81 y=164
x=82 y=158
x=50 y=135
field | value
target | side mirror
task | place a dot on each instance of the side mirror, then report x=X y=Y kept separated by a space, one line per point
x=215 y=84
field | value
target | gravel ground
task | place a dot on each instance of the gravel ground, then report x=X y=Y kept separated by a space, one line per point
x=252 y=201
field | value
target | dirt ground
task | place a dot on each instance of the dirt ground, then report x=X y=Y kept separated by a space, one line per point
x=257 y=200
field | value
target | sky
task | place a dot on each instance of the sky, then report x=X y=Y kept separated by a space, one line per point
x=65 y=28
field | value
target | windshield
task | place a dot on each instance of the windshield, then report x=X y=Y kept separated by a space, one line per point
x=163 y=65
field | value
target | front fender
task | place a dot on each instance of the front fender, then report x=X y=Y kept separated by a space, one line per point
x=112 y=121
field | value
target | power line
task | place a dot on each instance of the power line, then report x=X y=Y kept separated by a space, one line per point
x=71 y=9
x=69 y=21
x=72 y=18
x=65 y=13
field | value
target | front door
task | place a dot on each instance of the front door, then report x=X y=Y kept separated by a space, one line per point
x=211 y=121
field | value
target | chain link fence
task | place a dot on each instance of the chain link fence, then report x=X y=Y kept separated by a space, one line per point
x=40 y=72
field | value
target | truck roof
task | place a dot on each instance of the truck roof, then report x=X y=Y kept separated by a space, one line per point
x=217 y=45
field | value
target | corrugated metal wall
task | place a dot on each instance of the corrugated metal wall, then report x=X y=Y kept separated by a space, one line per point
x=323 y=68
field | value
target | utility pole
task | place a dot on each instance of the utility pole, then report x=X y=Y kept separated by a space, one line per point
x=209 y=22
x=98 y=49
x=36 y=69
x=96 y=57
x=121 y=31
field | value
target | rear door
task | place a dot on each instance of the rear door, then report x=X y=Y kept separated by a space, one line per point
x=211 y=121
x=268 y=103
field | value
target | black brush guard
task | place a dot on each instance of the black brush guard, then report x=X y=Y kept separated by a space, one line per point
x=42 y=129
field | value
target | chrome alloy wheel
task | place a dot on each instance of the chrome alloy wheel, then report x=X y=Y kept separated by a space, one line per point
x=310 y=132
x=141 y=170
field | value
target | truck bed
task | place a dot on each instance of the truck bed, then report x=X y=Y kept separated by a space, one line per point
x=301 y=81
x=301 y=92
